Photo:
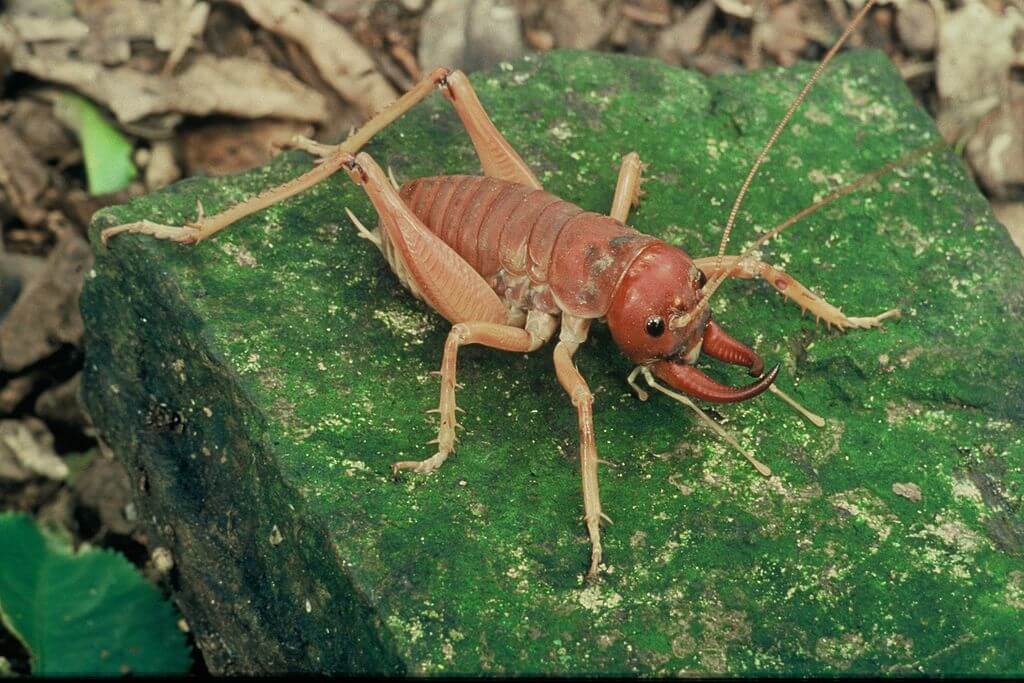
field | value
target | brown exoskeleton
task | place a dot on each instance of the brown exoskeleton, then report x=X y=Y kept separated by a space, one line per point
x=509 y=264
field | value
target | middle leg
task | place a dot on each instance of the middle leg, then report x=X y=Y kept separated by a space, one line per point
x=539 y=328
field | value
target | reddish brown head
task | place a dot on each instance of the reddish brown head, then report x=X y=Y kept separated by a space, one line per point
x=649 y=321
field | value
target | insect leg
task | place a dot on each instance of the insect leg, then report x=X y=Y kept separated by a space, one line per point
x=539 y=328
x=497 y=156
x=574 y=332
x=792 y=290
x=627 y=188
x=330 y=158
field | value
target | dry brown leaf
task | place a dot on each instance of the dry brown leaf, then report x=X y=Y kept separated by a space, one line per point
x=35 y=123
x=233 y=85
x=342 y=61
x=494 y=34
x=996 y=149
x=181 y=22
x=34 y=29
x=26 y=451
x=909 y=491
x=649 y=12
x=220 y=148
x=781 y=34
x=1011 y=214
x=442 y=40
x=46 y=315
x=744 y=9
x=63 y=404
x=112 y=27
x=161 y=167
x=974 y=57
x=685 y=38
x=917 y=26
x=104 y=486
x=469 y=35
x=22 y=177
x=575 y=23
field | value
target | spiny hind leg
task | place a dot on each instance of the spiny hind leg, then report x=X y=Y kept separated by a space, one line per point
x=627 y=188
x=330 y=159
x=792 y=290
x=539 y=328
x=498 y=158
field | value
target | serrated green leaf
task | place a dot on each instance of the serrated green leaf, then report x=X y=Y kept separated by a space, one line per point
x=89 y=612
x=107 y=153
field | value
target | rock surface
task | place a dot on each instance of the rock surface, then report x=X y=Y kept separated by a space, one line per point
x=258 y=387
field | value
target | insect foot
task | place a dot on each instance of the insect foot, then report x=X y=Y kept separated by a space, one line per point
x=420 y=466
x=870 y=321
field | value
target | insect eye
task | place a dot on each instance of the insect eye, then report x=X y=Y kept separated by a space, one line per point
x=655 y=325
x=702 y=279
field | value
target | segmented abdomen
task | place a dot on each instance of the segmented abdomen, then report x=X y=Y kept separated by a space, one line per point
x=545 y=251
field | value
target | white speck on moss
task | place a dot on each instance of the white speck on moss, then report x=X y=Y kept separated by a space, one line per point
x=965 y=488
x=909 y=491
x=561 y=131
x=594 y=600
x=410 y=325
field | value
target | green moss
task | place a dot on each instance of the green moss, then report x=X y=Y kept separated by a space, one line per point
x=300 y=370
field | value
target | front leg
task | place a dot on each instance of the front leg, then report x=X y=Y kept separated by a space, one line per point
x=791 y=289
x=574 y=333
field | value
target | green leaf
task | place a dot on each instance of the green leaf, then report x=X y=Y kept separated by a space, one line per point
x=89 y=612
x=107 y=153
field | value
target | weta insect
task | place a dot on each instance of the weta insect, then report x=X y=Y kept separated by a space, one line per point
x=509 y=264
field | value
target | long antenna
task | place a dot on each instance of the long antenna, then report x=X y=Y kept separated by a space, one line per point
x=721 y=275
x=782 y=125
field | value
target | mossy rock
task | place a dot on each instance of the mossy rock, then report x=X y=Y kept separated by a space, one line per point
x=258 y=387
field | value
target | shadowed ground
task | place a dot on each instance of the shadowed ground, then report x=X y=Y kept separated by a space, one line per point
x=258 y=387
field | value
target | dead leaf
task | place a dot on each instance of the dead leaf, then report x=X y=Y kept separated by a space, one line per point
x=26 y=451
x=22 y=177
x=996 y=149
x=974 y=56
x=744 y=9
x=35 y=123
x=233 y=85
x=493 y=35
x=34 y=29
x=917 y=26
x=342 y=61
x=223 y=147
x=104 y=486
x=908 y=491
x=182 y=21
x=469 y=35
x=685 y=38
x=46 y=313
x=17 y=390
x=1011 y=214
x=575 y=24
x=112 y=28
x=63 y=404
x=649 y=12
x=161 y=167
x=781 y=34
